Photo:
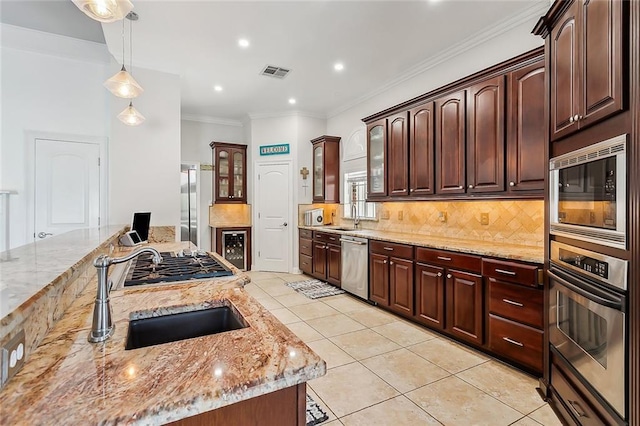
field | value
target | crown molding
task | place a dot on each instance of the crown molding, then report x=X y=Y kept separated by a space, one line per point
x=211 y=120
x=474 y=40
x=30 y=40
x=262 y=115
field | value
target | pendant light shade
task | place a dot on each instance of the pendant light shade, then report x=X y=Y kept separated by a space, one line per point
x=123 y=85
x=130 y=116
x=104 y=10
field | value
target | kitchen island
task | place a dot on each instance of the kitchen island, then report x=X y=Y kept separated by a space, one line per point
x=67 y=380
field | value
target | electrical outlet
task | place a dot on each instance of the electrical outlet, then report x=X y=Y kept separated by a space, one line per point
x=13 y=355
x=400 y=215
x=484 y=218
x=385 y=214
x=442 y=216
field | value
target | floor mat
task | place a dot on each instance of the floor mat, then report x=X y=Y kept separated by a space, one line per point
x=315 y=415
x=315 y=289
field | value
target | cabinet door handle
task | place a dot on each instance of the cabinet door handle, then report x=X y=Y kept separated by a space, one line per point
x=384 y=261
x=388 y=248
x=502 y=271
x=439 y=274
x=512 y=184
x=444 y=258
x=448 y=275
x=460 y=187
x=580 y=117
x=391 y=263
x=470 y=187
x=571 y=119
x=576 y=117
x=513 y=342
x=511 y=302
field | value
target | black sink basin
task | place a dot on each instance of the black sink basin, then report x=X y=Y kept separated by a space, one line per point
x=185 y=325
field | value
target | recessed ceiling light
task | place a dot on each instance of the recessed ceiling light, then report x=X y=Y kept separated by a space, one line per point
x=217 y=88
x=338 y=66
x=292 y=101
x=243 y=42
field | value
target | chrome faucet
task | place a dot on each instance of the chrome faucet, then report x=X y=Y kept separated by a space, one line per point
x=103 y=327
x=354 y=215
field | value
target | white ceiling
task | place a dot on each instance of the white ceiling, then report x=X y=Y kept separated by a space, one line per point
x=379 y=42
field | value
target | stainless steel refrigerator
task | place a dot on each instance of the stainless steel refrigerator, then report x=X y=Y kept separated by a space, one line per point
x=189 y=203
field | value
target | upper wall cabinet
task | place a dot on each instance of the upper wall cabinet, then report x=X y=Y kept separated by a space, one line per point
x=398 y=154
x=230 y=174
x=421 y=159
x=326 y=169
x=586 y=63
x=450 y=143
x=485 y=136
x=526 y=166
x=377 y=159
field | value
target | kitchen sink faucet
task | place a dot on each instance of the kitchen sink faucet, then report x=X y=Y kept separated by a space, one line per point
x=103 y=327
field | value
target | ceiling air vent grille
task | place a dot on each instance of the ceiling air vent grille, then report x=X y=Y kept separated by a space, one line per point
x=276 y=72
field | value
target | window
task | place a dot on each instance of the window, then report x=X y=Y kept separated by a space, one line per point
x=355 y=194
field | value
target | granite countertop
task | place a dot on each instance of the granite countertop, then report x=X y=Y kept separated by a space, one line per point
x=531 y=254
x=68 y=380
x=230 y=225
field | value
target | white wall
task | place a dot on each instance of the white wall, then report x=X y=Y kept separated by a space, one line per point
x=144 y=166
x=50 y=85
x=194 y=148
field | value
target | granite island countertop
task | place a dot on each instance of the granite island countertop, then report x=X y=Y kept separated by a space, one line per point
x=523 y=253
x=68 y=380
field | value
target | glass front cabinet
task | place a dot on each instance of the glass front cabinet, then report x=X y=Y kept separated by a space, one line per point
x=230 y=172
x=326 y=169
x=377 y=172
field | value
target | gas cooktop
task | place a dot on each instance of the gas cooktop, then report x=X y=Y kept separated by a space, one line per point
x=194 y=266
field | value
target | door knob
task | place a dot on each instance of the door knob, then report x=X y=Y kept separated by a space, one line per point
x=470 y=186
x=285 y=224
x=571 y=119
x=43 y=234
x=439 y=274
x=448 y=275
x=512 y=184
x=391 y=263
x=576 y=118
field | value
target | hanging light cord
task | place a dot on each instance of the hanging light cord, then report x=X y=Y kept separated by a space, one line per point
x=130 y=46
x=123 y=44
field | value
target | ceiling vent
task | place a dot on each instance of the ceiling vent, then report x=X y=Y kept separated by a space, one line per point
x=272 y=71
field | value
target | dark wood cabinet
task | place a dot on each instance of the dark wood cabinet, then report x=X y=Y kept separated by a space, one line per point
x=450 y=143
x=398 y=155
x=379 y=279
x=237 y=254
x=586 y=65
x=326 y=256
x=526 y=165
x=429 y=295
x=401 y=286
x=326 y=169
x=334 y=264
x=319 y=259
x=485 y=136
x=230 y=172
x=421 y=150
x=464 y=306
x=377 y=159
x=305 y=246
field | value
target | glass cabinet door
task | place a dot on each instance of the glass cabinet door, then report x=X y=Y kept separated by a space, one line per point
x=318 y=172
x=223 y=174
x=238 y=174
x=376 y=160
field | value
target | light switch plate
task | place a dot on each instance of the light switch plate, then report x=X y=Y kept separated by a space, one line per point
x=13 y=355
x=484 y=218
x=442 y=216
x=400 y=215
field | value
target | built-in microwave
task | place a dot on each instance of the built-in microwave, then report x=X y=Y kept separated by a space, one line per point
x=588 y=193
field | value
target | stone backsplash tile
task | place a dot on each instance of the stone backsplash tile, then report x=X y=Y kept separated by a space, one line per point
x=230 y=214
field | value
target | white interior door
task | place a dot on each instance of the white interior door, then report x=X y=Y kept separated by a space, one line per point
x=273 y=212
x=67 y=187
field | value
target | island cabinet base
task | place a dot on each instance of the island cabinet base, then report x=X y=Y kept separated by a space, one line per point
x=286 y=407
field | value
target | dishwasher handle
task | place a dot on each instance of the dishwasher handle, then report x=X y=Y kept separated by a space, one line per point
x=359 y=243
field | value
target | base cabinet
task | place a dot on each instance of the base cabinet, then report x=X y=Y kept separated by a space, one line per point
x=401 y=286
x=391 y=276
x=286 y=407
x=326 y=257
x=379 y=279
x=465 y=297
x=430 y=290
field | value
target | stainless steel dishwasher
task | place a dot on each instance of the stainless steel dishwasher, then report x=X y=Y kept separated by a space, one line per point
x=355 y=266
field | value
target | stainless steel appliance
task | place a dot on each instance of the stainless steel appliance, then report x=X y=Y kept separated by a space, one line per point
x=314 y=217
x=189 y=203
x=355 y=266
x=234 y=248
x=587 y=190
x=587 y=319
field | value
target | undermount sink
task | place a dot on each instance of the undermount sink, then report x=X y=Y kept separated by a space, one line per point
x=341 y=228
x=185 y=325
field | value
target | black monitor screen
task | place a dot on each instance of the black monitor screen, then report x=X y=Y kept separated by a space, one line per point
x=141 y=224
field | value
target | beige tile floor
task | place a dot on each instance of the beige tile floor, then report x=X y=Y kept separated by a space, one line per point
x=384 y=370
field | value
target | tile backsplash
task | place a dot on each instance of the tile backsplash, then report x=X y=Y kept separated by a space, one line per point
x=230 y=215
x=512 y=221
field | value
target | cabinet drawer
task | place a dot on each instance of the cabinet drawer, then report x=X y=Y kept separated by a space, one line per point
x=306 y=247
x=516 y=302
x=306 y=264
x=391 y=249
x=305 y=233
x=572 y=398
x=510 y=271
x=518 y=342
x=326 y=237
x=447 y=258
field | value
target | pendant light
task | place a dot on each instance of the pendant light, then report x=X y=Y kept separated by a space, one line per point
x=122 y=84
x=104 y=10
x=131 y=116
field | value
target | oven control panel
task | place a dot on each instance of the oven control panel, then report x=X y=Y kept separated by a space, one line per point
x=586 y=263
